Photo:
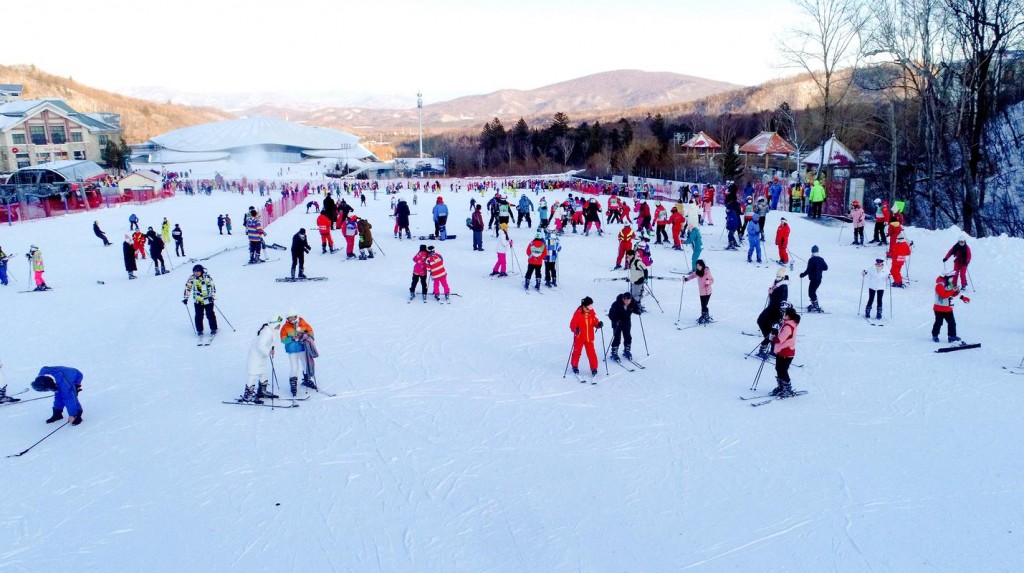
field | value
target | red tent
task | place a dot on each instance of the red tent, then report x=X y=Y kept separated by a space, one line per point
x=701 y=141
x=768 y=142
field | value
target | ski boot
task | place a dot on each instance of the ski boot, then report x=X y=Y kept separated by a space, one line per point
x=293 y=383
x=362 y=257
x=57 y=415
x=424 y=297
x=369 y=255
x=494 y=273
x=779 y=388
x=536 y=285
x=878 y=314
x=526 y=284
x=302 y=275
x=627 y=355
x=308 y=382
x=323 y=250
x=547 y=284
x=593 y=373
x=447 y=299
x=412 y=294
x=787 y=390
x=437 y=297
x=263 y=392
x=616 y=267
x=293 y=274
x=502 y=274
x=614 y=355
x=78 y=418
x=131 y=276
x=867 y=312
x=250 y=395
x=576 y=370
x=953 y=339
x=554 y=282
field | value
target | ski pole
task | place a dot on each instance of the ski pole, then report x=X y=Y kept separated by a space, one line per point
x=191 y=321
x=840 y=239
x=516 y=259
x=604 y=349
x=861 y=299
x=971 y=280
x=642 y=333
x=379 y=249
x=679 y=315
x=26 y=450
x=801 y=292
x=274 y=386
x=760 y=369
x=217 y=306
x=891 y=300
x=569 y=358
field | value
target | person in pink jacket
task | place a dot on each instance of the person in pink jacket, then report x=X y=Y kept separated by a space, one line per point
x=435 y=264
x=857 y=215
x=704 y=281
x=785 y=351
x=503 y=245
x=419 y=272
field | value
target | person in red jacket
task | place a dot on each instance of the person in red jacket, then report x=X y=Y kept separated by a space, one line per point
x=660 y=220
x=584 y=324
x=643 y=217
x=624 y=213
x=323 y=224
x=139 y=240
x=612 y=215
x=419 y=272
x=676 y=219
x=945 y=291
x=782 y=240
x=899 y=253
x=349 y=230
x=784 y=345
x=435 y=264
x=626 y=237
x=535 y=253
x=961 y=254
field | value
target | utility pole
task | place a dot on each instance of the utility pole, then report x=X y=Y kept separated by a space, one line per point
x=419 y=108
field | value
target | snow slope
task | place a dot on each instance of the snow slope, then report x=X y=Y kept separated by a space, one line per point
x=455 y=443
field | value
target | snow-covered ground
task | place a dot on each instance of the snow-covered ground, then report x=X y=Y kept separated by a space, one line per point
x=456 y=444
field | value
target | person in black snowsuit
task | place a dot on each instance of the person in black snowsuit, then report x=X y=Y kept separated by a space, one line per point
x=330 y=209
x=99 y=233
x=156 y=252
x=220 y=224
x=778 y=293
x=732 y=216
x=300 y=246
x=620 y=314
x=128 y=250
x=179 y=240
x=815 y=266
x=345 y=209
x=402 y=217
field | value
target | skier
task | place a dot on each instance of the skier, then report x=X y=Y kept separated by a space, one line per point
x=523 y=208
x=637 y=277
x=419 y=272
x=945 y=291
x=778 y=293
x=349 y=230
x=761 y=210
x=784 y=346
x=961 y=254
x=440 y=213
x=365 y=239
x=817 y=198
x=815 y=267
x=613 y=215
x=881 y=220
x=260 y=352
x=203 y=290
x=748 y=216
x=254 y=232
x=402 y=219
x=704 y=281
x=754 y=239
x=140 y=244
x=156 y=252
x=36 y=257
x=65 y=382
x=676 y=219
x=502 y=246
x=584 y=324
x=314 y=205
x=99 y=233
x=858 y=218
x=643 y=217
x=693 y=238
x=877 y=279
x=435 y=264
x=300 y=246
x=324 y=224
x=626 y=238
x=592 y=216
x=179 y=240
x=620 y=314
x=708 y=202
x=782 y=240
x=543 y=213
x=133 y=222
x=551 y=259
x=165 y=231
x=128 y=250
x=899 y=253
x=330 y=208
x=535 y=253
x=295 y=335
x=477 y=226
x=732 y=217
x=776 y=192
x=227 y=223
x=660 y=222
x=3 y=266
x=220 y=223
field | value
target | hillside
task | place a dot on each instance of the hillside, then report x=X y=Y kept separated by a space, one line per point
x=141 y=119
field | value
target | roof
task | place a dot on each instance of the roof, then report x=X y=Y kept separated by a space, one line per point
x=701 y=140
x=11 y=88
x=14 y=112
x=835 y=152
x=253 y=131
x=153 y=179
x=767 y=142
x=71 y=169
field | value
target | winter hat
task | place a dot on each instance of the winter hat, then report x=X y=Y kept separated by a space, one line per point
x=879 y=261
x=44 y=383
x=127 y=238
x=780 y=275
x=292 y=312
x=856 y=203
x=587 y=301
x=33 y=248
x=430 y=248
x=814 y=250
x=423 y=248
x=302 y=231
x=963 y=237
x=782 y=220
x=878 y=201
x=198 y=269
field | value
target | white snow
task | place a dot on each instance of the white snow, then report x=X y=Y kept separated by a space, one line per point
x=455 y=443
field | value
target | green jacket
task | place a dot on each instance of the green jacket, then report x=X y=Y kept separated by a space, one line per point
x=817 y=192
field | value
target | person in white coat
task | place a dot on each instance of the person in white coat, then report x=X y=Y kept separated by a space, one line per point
x=261 y=351
x=877 y=280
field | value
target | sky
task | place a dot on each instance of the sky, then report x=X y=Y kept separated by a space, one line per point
x=446 y=48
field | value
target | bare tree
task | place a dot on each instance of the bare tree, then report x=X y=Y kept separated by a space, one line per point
x=830 y=44
x=566 y=144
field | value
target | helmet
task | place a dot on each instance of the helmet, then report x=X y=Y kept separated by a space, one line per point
x=292 y=313
x=198 y=269
x=440 y=200
x=275 y=319
x=780 y=274
x=540 y=235
x=878 y=201
x=856 y=203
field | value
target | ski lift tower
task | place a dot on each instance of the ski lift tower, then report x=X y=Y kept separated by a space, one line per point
x=419 y=109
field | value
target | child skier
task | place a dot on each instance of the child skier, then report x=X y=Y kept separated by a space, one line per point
x=877 y=279
x=815 y=267
x=551 y=259
x=784 y=345
x=945 y=291
x=501 y=248
x=626 y=237
x=704 y=281
x=858 y=217
x=778 y=293
x=435 y=264
x=65 y=383
x=536 y=251
x=782 y=240
x=754 y=239
x=961 y=254
x=419 y=272
x=584 y=324
x=365 y=239
x=620 y=314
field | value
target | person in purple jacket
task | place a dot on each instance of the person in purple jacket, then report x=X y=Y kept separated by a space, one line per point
x=65 y=383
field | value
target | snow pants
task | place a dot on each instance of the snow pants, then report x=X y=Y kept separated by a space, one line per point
x=960 y=274
x=439 y=282
x=897 y=271
x=550 y=272
x=784 y=251
x=879 y=233
x=526 y=215
x=326 y=240
x=297 y=362
x=500 y=266
x=782 y=368
x=179 y=247
x=812 y=290
x=254 y=251
x=707 y=214
x=206 y=309
x=659 y=233
x=298 y=259
x=704 y=299
x=621 y=331
x=623 y=247
x=676 y=231
x=422 y=280
x=350 y=245
x=578 y=346
x=3 y=273
x=946 y=316
x=871 y=299
x=530 y=270
x=38 y=276
x=754 y=246
x=595 y=222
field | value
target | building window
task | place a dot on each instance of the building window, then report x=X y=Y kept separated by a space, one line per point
x=19 y=138
x=38 y=133
x=80 y=155
x=22 y=160
x=102 y=140
x=76 y=137
x=42 y=157
x=58 y=135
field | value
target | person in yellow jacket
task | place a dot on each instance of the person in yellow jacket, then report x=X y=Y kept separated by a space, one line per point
x=817 y=198
x=36 y=256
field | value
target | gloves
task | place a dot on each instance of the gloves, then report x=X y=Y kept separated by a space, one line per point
x=863 y=273
x=965 y=299
x=945 y=259
x=184 y=301
x=802 y=275
x=600 y=324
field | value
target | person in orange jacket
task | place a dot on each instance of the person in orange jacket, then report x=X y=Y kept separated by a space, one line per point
x=584 y=324
x=945 y=291
x=626 y=237
x=139 y=240
x=323 y=224
x=435 y=264
x=782 y=240
x=899 y=253
x=676 y=219
x=535 y=253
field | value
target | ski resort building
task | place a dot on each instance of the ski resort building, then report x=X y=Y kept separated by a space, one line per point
x=44 y=130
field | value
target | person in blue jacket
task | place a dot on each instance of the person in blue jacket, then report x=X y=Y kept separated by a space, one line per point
x=754 y=238
x=524 y=208
x=65 y=383
x=551 y=259
x=440 y=213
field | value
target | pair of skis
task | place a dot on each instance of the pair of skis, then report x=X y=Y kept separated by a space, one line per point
x=766 y=399
x=205 y=340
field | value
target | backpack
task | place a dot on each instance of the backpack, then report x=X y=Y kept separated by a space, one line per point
x=469 y=222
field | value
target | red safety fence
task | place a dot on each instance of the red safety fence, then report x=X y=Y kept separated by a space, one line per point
x=55 y=206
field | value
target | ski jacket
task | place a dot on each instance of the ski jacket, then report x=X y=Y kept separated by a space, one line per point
x=220 y=220
x=694 y=239
x=525 y=205
x=323 y=223
x=202 y=288
x=435 y=264
x=703 y=282
x=419 y=266
x=627 y=235
x=128 y=252
x=349 y=229
x=165 y=230
x=776 y=192
x=620 y=315
x=554 y=247
x=299 y=244
x=133 y=218
x=877 y=278
x=504 y=210
x=644 y=210
x=592 y=212
x=402 y=213
x=139 y=239
x=691 y=212
x=732 y=214
x=259 y=350
x=535 y=252
x=782 y=235
x=477 y=221
x=961 y=255
x=637 y=271
x=543 y=212
x=677 y=220
x=761 y=207
x=156 y=245
x=440 y=210
x=37 y=261
x=176 y=234
x=291 y=335
x=68 y=379
x=254 y=229
x=584 y=323
x=613 y=203
x=660 y=215
x=900 y=251
x=944 y=295
x=785 y=340
x=777 y=294
x=858 y=216
x=815 y=266
x=817 y=192
x=365 y=234
x=748 y=211
x=754 y=233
